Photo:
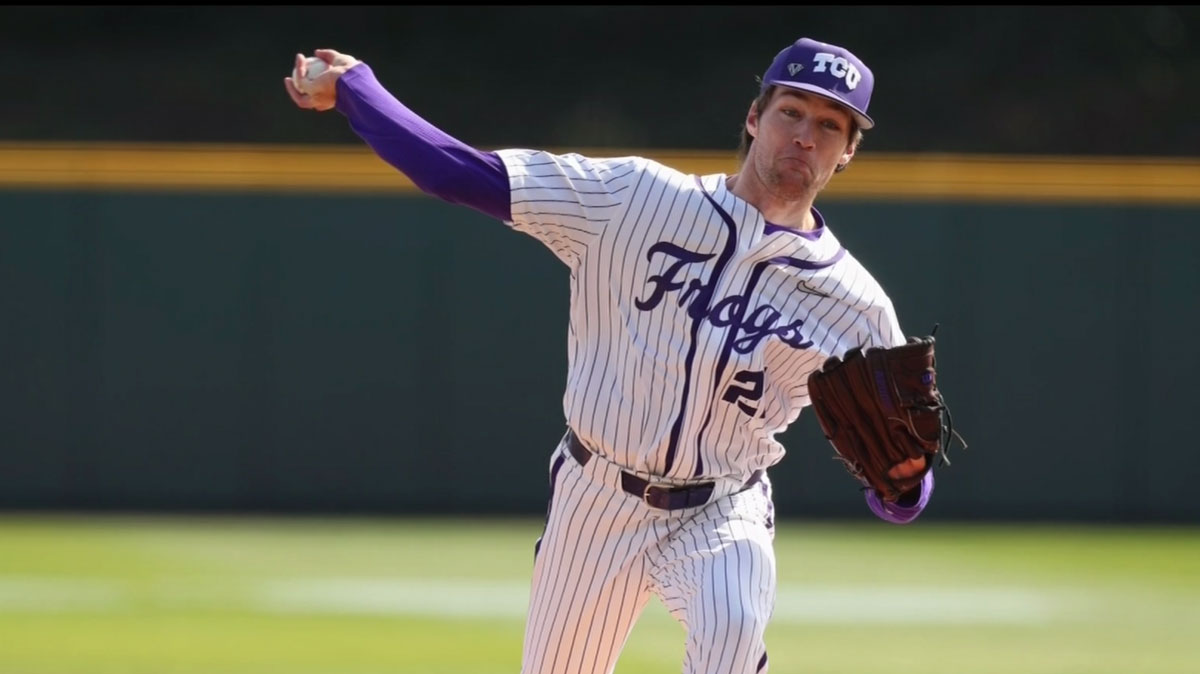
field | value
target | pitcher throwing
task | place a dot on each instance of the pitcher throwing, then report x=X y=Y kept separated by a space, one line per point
x=700 y=306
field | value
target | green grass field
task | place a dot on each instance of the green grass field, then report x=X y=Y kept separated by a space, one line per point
x=175 y=595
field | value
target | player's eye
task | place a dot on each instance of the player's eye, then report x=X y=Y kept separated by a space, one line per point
x=832 y=125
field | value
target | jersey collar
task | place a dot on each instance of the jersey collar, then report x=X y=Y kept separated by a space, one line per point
x=722 y=193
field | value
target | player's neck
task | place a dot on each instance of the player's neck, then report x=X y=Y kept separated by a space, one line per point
x=792 y=213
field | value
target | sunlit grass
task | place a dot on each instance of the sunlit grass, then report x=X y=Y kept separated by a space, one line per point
x=158 y=595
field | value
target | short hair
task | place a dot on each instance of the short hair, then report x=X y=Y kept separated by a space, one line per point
x=760 y=105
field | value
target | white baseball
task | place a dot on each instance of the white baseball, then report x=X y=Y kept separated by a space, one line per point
x=314 y=67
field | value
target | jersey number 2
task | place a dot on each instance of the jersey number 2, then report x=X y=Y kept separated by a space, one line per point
x=737 y=394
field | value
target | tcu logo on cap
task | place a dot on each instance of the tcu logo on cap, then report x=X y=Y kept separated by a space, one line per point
x=838 y=67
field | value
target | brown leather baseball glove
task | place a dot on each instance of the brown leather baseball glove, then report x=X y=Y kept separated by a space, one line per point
x=882 y=407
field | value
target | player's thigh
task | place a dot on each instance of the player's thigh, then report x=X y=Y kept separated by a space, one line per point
x=725 y=559
x=590 y=581
x=717 y=577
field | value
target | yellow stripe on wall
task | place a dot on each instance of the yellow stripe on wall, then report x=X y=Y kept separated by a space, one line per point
x=356 y=169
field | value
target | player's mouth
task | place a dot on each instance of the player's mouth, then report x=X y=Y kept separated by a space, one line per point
x=795 y=163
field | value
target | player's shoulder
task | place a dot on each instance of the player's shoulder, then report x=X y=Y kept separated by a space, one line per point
x=637 y=168
x=618 y=163
x=867 y=296
x=855 y=267
x=860 y=287
x=575 y=162
x=617 y=174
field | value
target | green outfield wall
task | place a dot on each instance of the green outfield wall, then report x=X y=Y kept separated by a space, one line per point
x=189 y=337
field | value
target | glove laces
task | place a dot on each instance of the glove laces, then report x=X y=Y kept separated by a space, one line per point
x=947 y=422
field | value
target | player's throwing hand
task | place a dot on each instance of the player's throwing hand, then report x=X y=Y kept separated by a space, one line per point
x=322 y=90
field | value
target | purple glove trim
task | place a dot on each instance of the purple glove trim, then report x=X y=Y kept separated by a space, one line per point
x=437 y=163
x=897 y=514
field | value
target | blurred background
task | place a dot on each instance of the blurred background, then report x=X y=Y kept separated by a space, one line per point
x=264 y=406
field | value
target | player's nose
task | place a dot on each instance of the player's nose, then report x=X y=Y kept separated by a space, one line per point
x=803 y=134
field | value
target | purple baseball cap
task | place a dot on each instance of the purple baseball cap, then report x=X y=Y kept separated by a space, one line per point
x=826 y=70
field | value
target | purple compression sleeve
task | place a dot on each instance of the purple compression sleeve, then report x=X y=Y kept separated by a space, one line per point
x=898 y=514
x=437 y=163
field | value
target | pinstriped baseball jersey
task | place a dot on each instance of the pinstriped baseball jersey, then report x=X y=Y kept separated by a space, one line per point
x=693 y=323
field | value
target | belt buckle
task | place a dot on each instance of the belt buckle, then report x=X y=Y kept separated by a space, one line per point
x=646 y=492
x=646 y=496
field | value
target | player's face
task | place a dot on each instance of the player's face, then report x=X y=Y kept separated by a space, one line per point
x=799 y=139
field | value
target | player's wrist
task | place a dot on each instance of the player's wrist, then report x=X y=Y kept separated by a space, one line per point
x=909 y=498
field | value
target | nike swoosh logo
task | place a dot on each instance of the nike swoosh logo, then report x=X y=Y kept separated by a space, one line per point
x=803 y=286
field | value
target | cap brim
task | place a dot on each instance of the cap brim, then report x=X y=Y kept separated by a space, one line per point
x=864 y=122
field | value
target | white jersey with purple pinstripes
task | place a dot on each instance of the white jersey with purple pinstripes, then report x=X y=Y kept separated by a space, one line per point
x=694 y=324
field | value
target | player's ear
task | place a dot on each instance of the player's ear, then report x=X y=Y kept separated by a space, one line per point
x=752 y=120
x=848 y=154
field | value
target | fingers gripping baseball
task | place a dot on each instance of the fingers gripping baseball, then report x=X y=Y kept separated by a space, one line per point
x=313 y=84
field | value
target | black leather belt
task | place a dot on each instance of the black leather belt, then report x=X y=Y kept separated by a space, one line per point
x=665 y=497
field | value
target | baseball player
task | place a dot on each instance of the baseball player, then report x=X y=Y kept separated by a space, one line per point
x=699 y=306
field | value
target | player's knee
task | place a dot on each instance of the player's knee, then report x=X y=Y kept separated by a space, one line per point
x=746 y=625
x=739 y=646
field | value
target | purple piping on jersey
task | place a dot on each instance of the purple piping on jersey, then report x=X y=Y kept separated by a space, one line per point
x=698 y=311
x=439 y=164
x=808 y=264
x=739 y=304
x=898 y=514
x=771 y=228
x=730 y=246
